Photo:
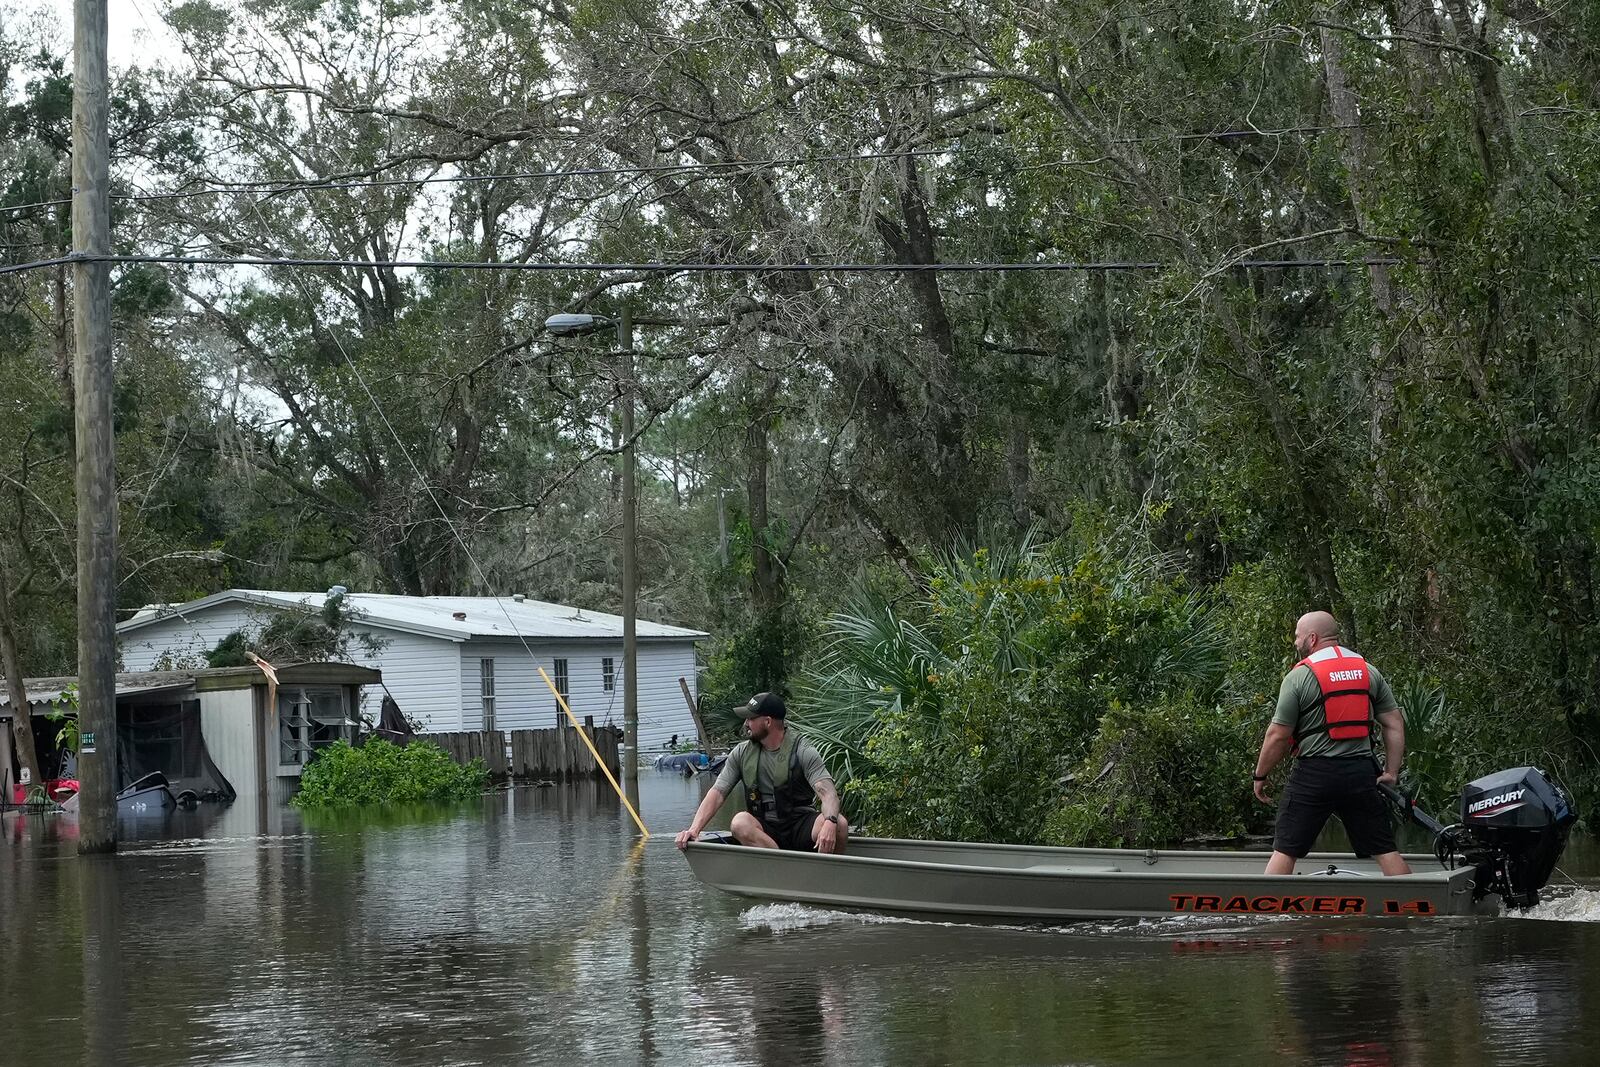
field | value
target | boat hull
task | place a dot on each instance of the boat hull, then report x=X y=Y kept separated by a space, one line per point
x=155 y=800
x=1018 y=882
x=150 y=795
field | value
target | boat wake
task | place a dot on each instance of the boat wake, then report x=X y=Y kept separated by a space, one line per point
x=782 y=918
x=1569 y=904
x=1578 y=906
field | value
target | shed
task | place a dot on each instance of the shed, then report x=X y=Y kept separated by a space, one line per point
x=215 y=731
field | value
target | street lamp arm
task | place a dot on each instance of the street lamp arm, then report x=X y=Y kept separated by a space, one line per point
x=675 y=320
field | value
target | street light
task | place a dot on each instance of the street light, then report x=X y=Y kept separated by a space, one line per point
x=574 y=325
x=569 y=324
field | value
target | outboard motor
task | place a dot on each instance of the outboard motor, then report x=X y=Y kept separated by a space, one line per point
x=1513 y=827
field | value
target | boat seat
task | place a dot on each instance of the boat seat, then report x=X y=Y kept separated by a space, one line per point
x=1059 y=868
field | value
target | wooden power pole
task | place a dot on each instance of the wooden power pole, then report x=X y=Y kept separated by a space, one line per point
x=96 y=469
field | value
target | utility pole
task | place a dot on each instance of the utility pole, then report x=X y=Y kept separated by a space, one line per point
x=571 y=324
x=96 y=467
x=630 y=573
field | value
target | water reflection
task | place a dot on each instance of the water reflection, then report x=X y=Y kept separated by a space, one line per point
x=103 y=1014
x=1342 y=995
x=639 y=945
x=532 y=928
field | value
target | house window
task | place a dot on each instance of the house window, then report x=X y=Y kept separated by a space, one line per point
x=561 y=680
x=486 y=691
x=153 y=738
x=311 y=719
x=608 y=674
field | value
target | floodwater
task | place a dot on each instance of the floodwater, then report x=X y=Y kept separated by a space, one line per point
x=532 y=929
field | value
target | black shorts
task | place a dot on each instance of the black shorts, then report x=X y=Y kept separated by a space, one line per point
x=1319 y=787
x=795 y=834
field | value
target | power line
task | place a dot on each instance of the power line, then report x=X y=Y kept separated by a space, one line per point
x=267 y=188
x=38 y=264
x=708 y=268
x=716 y=169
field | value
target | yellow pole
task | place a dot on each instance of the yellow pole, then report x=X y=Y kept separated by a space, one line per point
x=596 y=753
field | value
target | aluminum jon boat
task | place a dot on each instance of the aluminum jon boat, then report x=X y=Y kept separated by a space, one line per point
x=1513 y=829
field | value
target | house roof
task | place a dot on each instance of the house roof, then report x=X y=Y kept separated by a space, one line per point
x=49 y=690
x=454 y=618
x=309 y=673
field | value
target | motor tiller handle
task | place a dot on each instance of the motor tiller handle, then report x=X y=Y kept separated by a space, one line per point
x=1409 y=809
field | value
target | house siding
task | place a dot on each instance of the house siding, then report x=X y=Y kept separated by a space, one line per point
x=227 y=722
x=421 y=672
x=522 y=700
x=181 y=642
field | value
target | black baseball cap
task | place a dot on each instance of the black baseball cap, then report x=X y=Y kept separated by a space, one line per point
x=763 y=704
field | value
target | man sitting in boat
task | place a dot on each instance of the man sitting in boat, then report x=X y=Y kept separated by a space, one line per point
x=1327 y=706
x=781 y=774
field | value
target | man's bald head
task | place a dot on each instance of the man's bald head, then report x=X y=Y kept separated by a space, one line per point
x=1315 y=629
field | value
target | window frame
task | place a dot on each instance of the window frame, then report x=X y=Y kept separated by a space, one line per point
x=300 y=733
x=608 y=674
x=486 y=691
x=562 y=676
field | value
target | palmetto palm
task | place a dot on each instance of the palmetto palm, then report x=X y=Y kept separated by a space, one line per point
x=875 y=661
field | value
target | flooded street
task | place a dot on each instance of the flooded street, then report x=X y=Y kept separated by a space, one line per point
x=532 y=929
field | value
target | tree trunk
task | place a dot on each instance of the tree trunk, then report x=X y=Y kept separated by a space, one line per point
x=11 y=663
x=767 y=594
x=1018 y=455
x=1124 y=388
x=63 y=338
x=1496 y=136
x=1346 y=112
x=911 y=241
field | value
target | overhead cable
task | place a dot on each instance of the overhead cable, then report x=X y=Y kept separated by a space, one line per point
x=714 y=170
x=707 y=268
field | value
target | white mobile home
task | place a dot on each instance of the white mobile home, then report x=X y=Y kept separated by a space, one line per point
x=456 y=663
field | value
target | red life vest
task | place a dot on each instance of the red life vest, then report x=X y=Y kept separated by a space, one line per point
x=1346 y=700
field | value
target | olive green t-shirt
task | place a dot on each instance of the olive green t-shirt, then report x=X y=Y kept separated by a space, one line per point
x=1300 y=690
x=767 y=763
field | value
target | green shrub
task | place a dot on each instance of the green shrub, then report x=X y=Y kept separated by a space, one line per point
x=379 y=772
x=1159 y=774
x=958 y=716
x=984 y=770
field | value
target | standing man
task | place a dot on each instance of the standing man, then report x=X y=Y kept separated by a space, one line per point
x=781 y=773
x=1326 y=709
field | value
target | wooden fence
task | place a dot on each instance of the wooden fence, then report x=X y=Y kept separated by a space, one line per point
x=556 y=755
